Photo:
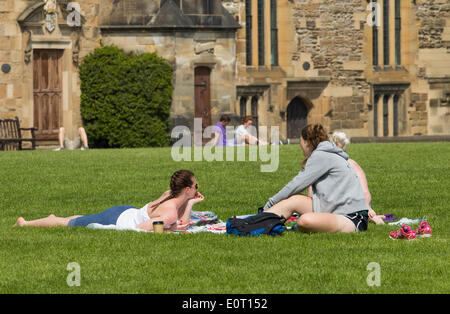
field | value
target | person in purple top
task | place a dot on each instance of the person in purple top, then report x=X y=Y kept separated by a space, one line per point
x=220 y=133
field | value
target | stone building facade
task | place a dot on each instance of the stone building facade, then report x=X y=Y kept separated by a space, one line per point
x=370 y=68
x=369 y=73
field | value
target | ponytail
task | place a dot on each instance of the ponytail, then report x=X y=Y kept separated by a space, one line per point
x=155 y=206
x=314 y=134
x=179 y=180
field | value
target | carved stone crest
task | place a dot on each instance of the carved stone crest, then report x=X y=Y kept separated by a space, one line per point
x=28 y=49
x=204 y=47
x=50 y=14
x=49 y=6
x=76 y=48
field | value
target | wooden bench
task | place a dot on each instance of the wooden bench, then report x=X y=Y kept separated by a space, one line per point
x=11 y=137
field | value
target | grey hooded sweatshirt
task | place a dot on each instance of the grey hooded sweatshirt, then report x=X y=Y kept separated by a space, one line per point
x=335 y=186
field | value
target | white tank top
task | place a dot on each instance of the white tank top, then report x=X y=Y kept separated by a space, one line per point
x=132 y=217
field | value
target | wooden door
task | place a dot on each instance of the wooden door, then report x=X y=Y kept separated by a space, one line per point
x=296 y=118
x=203 y=97
x=47 y=92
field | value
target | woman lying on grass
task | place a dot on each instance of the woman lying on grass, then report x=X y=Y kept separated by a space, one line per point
x=337 y=203
x=173 y=208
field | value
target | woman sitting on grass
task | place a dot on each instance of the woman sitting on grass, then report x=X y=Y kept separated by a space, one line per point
x=173 y=208
x=337 y=203
x=341 y=141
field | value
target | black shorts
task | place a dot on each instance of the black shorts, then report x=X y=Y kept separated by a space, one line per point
x=360 y=219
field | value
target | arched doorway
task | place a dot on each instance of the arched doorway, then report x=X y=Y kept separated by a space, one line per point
x=297 y=112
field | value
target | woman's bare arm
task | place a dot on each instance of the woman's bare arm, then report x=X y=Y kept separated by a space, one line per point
x=185 y=211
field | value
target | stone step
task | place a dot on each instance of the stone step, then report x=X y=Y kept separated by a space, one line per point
x=399 y=139
x=47 y=145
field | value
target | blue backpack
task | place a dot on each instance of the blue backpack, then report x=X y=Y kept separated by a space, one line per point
x=255 y=225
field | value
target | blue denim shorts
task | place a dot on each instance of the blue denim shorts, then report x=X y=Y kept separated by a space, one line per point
x=107 y=217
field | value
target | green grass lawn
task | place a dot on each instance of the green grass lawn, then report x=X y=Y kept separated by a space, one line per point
x=408 y=179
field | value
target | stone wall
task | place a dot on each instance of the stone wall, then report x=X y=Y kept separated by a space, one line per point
x=433 y=17
x=430 y=112
x=330 y=39
x=13 y=100
x=333 y=36
x=328 y=33
x=325 y=45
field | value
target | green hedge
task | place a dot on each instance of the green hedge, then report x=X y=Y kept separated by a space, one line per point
x=125 y=98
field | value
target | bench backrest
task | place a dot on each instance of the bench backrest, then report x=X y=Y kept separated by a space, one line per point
x=10 y=129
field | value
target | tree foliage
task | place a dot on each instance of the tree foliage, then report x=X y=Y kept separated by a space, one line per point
x=125 y=98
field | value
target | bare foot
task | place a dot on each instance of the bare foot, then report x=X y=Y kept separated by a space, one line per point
x=20 y=222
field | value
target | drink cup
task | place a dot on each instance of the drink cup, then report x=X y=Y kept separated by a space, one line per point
x=158 y=226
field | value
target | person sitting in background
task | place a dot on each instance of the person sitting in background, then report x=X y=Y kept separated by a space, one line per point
x=220 y=133
x=243 y=137
x=80 y=141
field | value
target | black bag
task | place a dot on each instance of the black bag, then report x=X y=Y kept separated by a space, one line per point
x=255 y=225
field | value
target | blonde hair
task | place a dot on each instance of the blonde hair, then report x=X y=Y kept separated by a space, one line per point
x=340 y=139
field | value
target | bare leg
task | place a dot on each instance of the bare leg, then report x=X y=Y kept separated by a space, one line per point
x=50 y=221
x=61 y=136
x=83 y=137
x=325 y=222
x=241 y=140
x=250 y=139
x=310 y=221
x=295 y=204
x=261 y=142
